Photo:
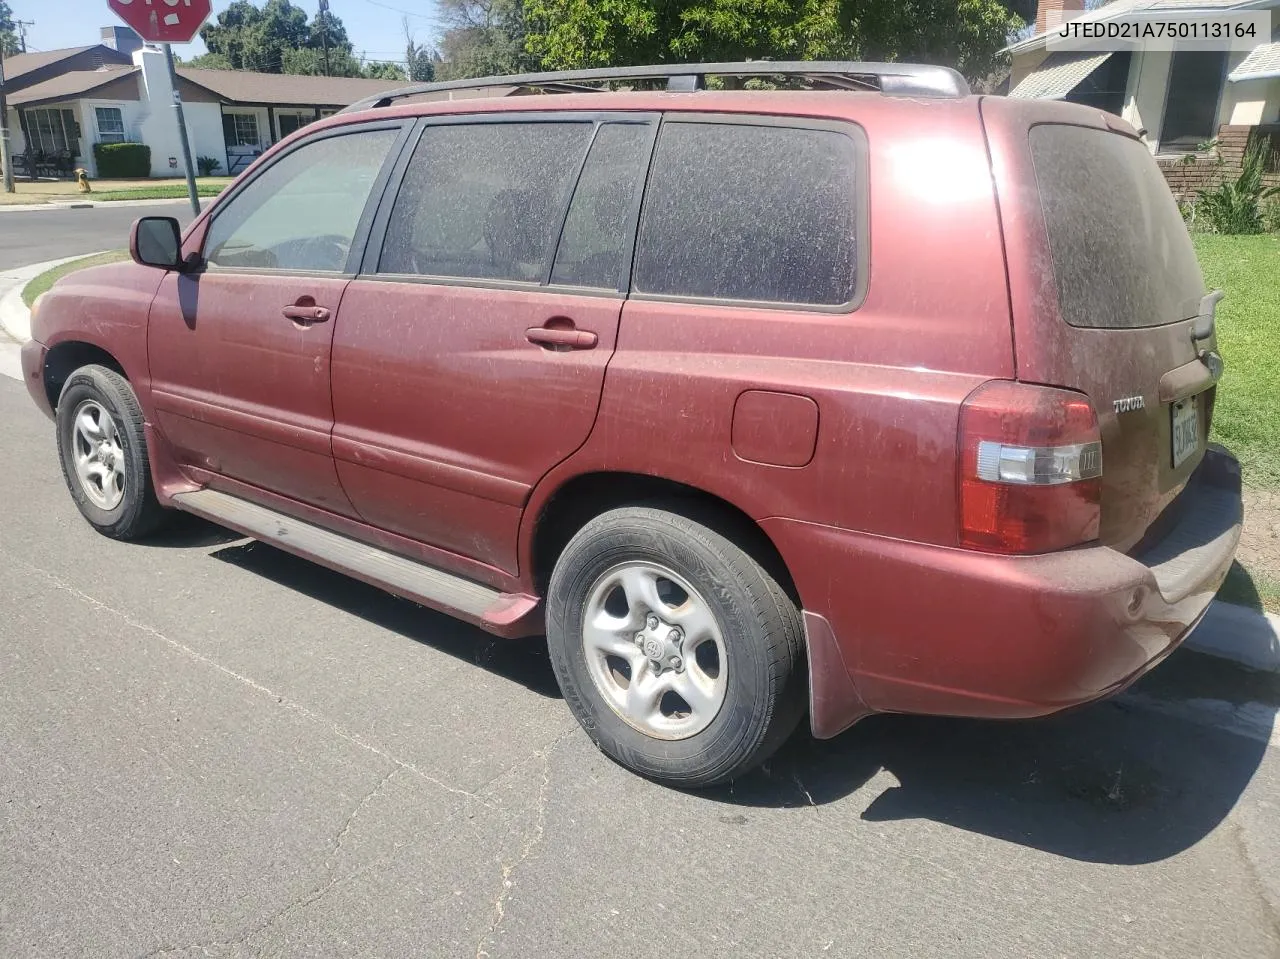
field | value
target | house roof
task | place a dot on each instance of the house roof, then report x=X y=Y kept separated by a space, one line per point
x=1117 y=8
x=1060 y=73
x=284 y=89
x=1262 y=64
x=23 y=63
x=68 y=86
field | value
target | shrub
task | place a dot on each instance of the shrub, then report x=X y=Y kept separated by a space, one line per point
x=122 y=160
x=208 y=166
x=1236 y=206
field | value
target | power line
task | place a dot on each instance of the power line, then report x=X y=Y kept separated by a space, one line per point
x=408 y=13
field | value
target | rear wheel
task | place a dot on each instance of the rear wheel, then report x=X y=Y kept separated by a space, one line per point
x=677 y=652
x=104 y=454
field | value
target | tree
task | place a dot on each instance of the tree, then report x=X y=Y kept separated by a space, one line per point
x=483 y=38
x=209 y=61
x=277 y=38
x=310 y=61
x=381 y=70
x=8 y=32
x=419 y=60
x=570 y=34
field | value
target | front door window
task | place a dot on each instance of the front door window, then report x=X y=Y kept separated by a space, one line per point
x=301 y=214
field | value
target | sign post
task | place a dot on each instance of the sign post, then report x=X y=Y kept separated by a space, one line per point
x=167 y=22
x=182 y=130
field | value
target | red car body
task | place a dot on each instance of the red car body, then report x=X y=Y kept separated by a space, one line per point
x=838 y=433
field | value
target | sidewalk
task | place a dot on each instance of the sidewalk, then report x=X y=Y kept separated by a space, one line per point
x=88 y=204
x=65 y=194
x=1235 y=633
x=15 y=318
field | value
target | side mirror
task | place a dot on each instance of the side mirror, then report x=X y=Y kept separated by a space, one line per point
x=156 y=241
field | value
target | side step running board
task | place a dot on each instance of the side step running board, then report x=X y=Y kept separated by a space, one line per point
x=500 y=612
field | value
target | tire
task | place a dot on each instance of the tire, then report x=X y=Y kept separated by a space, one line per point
x=120 y=500
x=601 y=642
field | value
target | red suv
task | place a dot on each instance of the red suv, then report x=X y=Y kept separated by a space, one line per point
x=876 y=397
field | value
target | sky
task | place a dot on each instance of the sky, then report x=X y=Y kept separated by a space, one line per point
x=373 y=25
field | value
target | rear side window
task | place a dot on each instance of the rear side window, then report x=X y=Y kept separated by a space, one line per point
x=1122 y=258
x=484 y=200
x=595 y=248
x=759 y=213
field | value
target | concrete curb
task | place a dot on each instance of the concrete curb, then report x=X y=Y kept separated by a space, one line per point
x=1241 y=635
x=15 y=318
x=91 y=204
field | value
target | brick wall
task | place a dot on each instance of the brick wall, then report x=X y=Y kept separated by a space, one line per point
x=1201 y=173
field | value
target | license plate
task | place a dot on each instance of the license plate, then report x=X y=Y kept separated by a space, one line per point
x=1185 y=430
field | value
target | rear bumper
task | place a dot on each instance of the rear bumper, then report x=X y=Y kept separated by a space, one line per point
x=33 y=355
x=894 y=626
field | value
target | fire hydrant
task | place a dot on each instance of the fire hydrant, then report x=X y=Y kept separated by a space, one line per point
x=82 y=180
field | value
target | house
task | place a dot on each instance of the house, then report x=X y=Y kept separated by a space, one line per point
x=61 y=102
x=1180 y=100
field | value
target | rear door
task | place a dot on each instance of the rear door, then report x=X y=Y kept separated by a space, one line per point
x=469 y=355
x=1106 y=294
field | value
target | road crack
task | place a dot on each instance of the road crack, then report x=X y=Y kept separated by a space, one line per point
x=532 y=839
x=337 y=730
x=1255 y=878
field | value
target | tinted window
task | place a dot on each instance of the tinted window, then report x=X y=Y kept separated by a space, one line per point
x=595 y=248
x=302 y=212
x=484 y=200
x=760 y=213
x=1121 y=253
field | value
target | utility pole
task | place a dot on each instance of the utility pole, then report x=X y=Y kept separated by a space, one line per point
x=323 y=14
x=21 y=27
x=6 y=156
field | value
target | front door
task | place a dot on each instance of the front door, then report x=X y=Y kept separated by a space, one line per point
x=240 y=349
x=469 y=358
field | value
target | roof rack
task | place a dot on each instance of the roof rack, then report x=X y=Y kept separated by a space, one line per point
x=894 y=79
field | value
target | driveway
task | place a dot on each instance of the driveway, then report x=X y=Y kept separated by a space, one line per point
x=210 y=748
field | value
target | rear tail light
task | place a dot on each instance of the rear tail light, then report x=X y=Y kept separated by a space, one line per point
x=1030 y=469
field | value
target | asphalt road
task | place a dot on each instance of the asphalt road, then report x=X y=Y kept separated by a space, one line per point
x=209 y=748
x=38 y=235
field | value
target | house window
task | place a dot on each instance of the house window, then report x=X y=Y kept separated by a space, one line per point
x=1105 y=87
x=240 y=129
x=110 y=124
x=291 y=122
x=53 y=131
x=1196 y=78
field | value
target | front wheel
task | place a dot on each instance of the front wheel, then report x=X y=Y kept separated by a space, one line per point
x=677 y=652
x=104 y=453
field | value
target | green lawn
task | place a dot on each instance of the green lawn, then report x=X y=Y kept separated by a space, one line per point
x=49 y=277
x=1250 y=588
x=167 y=191
x=1247 y=415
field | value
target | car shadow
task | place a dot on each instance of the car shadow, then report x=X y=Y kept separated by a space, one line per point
x=1116 y=782
x=185 y=531
x=521 y=661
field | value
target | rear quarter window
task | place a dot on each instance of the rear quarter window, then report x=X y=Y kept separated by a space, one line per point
x=1121 y=255
x=761 y=213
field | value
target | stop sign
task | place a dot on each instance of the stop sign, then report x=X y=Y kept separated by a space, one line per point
x=163 y=21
